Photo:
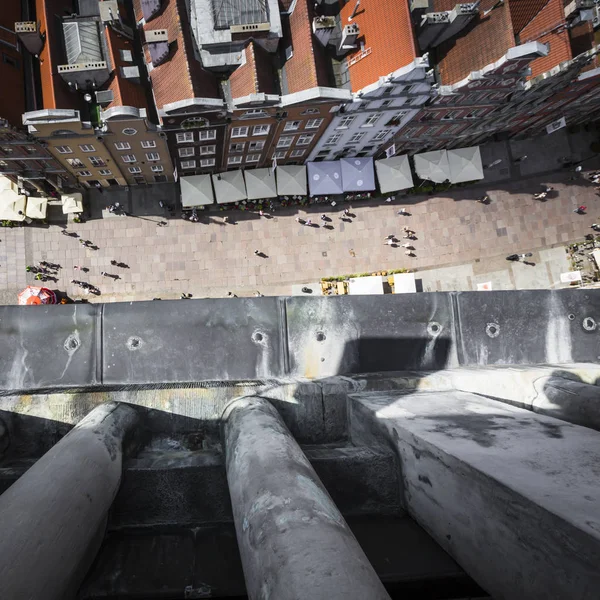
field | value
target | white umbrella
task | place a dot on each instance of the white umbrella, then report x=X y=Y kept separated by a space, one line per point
x=72 y=203
x=196 y=190
x=394 y=174
x=291 y=180
x=12 y=206
x=465 y=164
x=36 y=208
x=229 y=187
x=260 y=183
x=7 y=184
x=433 y=166
x=325 y=177
x=357 y=174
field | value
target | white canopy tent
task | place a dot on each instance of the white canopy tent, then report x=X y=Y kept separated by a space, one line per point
x=465 y=164
x=229 y=187
x=325 y=177
x=196 y=190
x=358 y=174
x=36 y=208
x=394 y=174
x=12 y=206
x=404 y=283
x=291 y=180
x=433 y=166
x=365 y=286
x=7 y=184
x=260 y=183
x=72 y=203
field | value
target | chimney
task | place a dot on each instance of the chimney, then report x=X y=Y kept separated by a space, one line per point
x=29 y=35
x=349 y=36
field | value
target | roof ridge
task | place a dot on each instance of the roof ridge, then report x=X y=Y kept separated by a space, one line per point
x=532 y=18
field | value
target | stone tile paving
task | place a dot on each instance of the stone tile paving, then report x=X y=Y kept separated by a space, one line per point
x=212 y=258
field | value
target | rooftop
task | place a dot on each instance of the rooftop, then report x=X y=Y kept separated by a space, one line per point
x=255 y=75
x=386 y=42
x=239 y=12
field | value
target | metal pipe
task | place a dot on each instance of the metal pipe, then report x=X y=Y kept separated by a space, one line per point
x=52 y=519
x=293 y=541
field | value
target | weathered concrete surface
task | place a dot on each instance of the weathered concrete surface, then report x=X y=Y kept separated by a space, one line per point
x=511 y=495
x=52 y=519
x=292 y=538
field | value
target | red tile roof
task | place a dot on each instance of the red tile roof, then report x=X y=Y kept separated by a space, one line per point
x=387 y=33
x=307 y=68
x=125 y=91
x=255 y=75
x=547 y=27
x=485 y=40
x=523 y=11
x=180 y=76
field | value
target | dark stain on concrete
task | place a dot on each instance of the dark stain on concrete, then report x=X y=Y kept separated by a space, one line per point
x=478 y=428
x=551 y=430
x=426 y=480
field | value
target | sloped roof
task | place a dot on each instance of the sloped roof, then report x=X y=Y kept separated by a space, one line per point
x=523 y=11
x=255 y=76
x=307 y=68
x=387 y=33
x=180 y=76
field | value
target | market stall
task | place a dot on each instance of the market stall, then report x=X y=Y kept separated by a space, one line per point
x=291 y=180
x=72 y=203
x=325 y=177
x=196 y=190
x=260 y=183
x=358 y=174
x=433 y=166
x=229 y=186
x=465 y=164
x=393 y=174
x=36 y=207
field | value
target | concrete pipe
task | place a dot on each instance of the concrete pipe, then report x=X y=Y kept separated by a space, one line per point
x=52 y=519
x=293 y=541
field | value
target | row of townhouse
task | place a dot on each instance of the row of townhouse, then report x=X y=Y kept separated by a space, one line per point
x=118 y=93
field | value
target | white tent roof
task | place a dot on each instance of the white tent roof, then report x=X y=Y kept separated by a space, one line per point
x=229 y=186
x=358 y=174
x=394 y=174
x=260 y=183
x=72 y=203
x=433 y=166
x=465 y=164
x=36 y=208
x=291 y=180
x=7 y=184
x=325 y=177
x=10 y=206
x=364 y=286
x=196 y=190
x=404 y=283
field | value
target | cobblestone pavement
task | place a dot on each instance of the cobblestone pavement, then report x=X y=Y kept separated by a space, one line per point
x=213 y=258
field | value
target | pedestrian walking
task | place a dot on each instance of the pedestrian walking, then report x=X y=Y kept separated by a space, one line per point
x=389 y=242
x=301 y=221
x=595 y=226
x=403 y=212
x=540 y=195
x=389 y=199
x=261 y=213
x=257 y=252
x=548 y=189
x=308 y=223
x=520 y=159
x=389 y=237
x=257 y=294
x=346 y=212
x=231 y=295
x=409 y=253
x=324 y=218
x=580 y=210
x=225 y=219
x=408 y=246
x=484 y=199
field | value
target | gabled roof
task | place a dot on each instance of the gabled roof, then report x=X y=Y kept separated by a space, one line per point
x=387 y=33
x=523 y=11
x=255 y=76
x=180 y=76
x=307 y=68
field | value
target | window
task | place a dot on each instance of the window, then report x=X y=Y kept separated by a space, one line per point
x=160 y=178
x=285 y=141
x=84 y=174
x=9 y=60
x=345 y=122
x=261 y=129
x=292 y=126
x=75 y=163
x=305 y=140
x=87 y=148
x=212 y=149
x=97 y=161
x=357 y=137
x=252 y=158
x=254 y=113
x=152 y=156
x=379 y=136
x=135 y=169
x=188 y=164
x=105 y=172
x=185 y=152
x=234 y=160
x=139 y=180
x=237 y=147
x=297 y=153
x=238 y=132
x=311 y=111
x=208 y=134
x=182 y=138
x=313 y=123
x=129 y=158
x=122 y=145
x=453 y=114
x=64 y=149
x=252 y=146
x=371 y=120
x=279 y=154
x=385 y=103
x=207 y=162
x=148 y=144
x=129 y=131
x=333 y=139
x=157 y=168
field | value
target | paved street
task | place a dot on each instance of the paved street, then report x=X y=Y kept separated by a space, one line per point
x=212 y=258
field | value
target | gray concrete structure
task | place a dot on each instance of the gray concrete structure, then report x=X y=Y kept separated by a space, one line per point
x=512 y=496
x=293 y=540
x=53 y=519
